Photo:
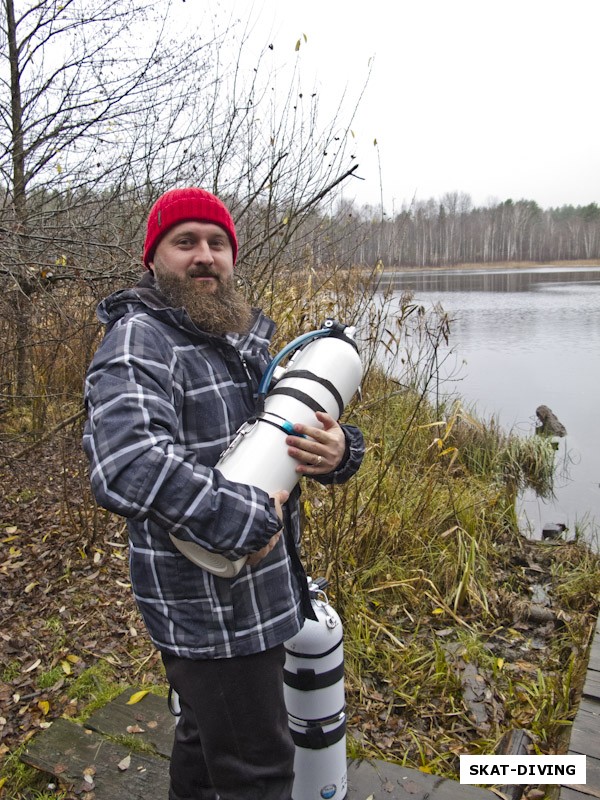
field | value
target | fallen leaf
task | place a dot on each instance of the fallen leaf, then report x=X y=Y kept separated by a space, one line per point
x=137 y=696
x=44 y=706
x=134 y=729
x=412 y=787
x=125 y=763
x=33 y=666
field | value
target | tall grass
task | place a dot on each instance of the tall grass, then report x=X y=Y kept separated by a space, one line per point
x=419 y=549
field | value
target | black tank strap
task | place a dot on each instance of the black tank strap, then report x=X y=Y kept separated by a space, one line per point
x=303 y=373
x=307 y=680
x=315 y=738
x=302 y=397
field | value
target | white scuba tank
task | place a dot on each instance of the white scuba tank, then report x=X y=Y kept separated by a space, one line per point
x=315 y=701
x=323 y=375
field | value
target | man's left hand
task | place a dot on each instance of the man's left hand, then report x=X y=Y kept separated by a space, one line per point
x=323 y=449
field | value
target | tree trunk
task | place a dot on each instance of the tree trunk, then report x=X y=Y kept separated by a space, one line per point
x=17 y=145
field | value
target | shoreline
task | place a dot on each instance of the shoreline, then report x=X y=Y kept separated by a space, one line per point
x=516 y=265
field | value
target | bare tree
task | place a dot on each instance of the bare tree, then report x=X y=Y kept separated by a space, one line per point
x=105 y=107
x=78 y=96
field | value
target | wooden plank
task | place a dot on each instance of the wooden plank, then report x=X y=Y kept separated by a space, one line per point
x=590 y=706
x=592 y=777
x=66 y=751
x=588 y=724
x=594 y=659
x=151 y=714
x=586 y=791
x=514 y=742
x=585 y=742
x=385 y=781
x=572 y=794
x=591 y=687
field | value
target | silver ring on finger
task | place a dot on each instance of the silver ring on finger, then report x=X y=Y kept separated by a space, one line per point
x=318 y=461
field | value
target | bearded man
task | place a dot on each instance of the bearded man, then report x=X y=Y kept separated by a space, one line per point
x=175 y=376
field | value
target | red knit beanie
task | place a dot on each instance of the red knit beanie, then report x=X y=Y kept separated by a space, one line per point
x=179 y=205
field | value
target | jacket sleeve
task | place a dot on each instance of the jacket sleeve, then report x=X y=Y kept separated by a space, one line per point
x=139 y=467
x=355 y=451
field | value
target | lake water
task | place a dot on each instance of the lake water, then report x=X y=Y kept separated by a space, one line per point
x=522 y=338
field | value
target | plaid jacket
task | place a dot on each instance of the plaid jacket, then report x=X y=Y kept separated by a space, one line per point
x=164 y=399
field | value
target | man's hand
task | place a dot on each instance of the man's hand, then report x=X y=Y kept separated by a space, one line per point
x=254 y=558
x=322 y=451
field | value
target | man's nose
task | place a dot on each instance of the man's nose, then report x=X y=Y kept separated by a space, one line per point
x=203 y=253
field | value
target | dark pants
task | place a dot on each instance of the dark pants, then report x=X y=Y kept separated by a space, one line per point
x=232 y=740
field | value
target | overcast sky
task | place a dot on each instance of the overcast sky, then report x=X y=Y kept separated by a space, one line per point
x=494 y=99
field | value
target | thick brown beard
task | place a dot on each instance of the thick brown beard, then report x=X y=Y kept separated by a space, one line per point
x=219 y=312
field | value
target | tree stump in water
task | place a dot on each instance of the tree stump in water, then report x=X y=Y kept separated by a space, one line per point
x=550 y=424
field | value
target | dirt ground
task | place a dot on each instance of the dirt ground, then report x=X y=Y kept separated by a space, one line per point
x=64 y=589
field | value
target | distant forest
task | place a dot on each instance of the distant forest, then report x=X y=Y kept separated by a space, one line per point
x=452 y=231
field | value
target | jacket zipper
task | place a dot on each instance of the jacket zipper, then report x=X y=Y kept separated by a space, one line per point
x=251 y=381
x=246 y=370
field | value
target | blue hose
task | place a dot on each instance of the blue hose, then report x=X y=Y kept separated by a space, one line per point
x=265 y=381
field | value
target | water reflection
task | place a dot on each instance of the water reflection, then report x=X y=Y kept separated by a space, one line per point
x=494 y=280
x=523 y=338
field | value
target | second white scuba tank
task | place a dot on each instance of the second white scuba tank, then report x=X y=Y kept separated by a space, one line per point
x=315 y=701
x=323 y=375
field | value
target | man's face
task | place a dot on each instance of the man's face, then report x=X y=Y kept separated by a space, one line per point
x=193 y=268
x=198 y=251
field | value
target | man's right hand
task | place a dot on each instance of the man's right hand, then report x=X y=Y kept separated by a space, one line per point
x=254 y=558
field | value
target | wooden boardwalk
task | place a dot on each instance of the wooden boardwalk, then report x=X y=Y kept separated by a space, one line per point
x=585 y=734
x=95 y=758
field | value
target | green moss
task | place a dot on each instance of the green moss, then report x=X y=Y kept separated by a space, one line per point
x=48 y=679
x=23 y=781
x=10 y=671
x=95 y=687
